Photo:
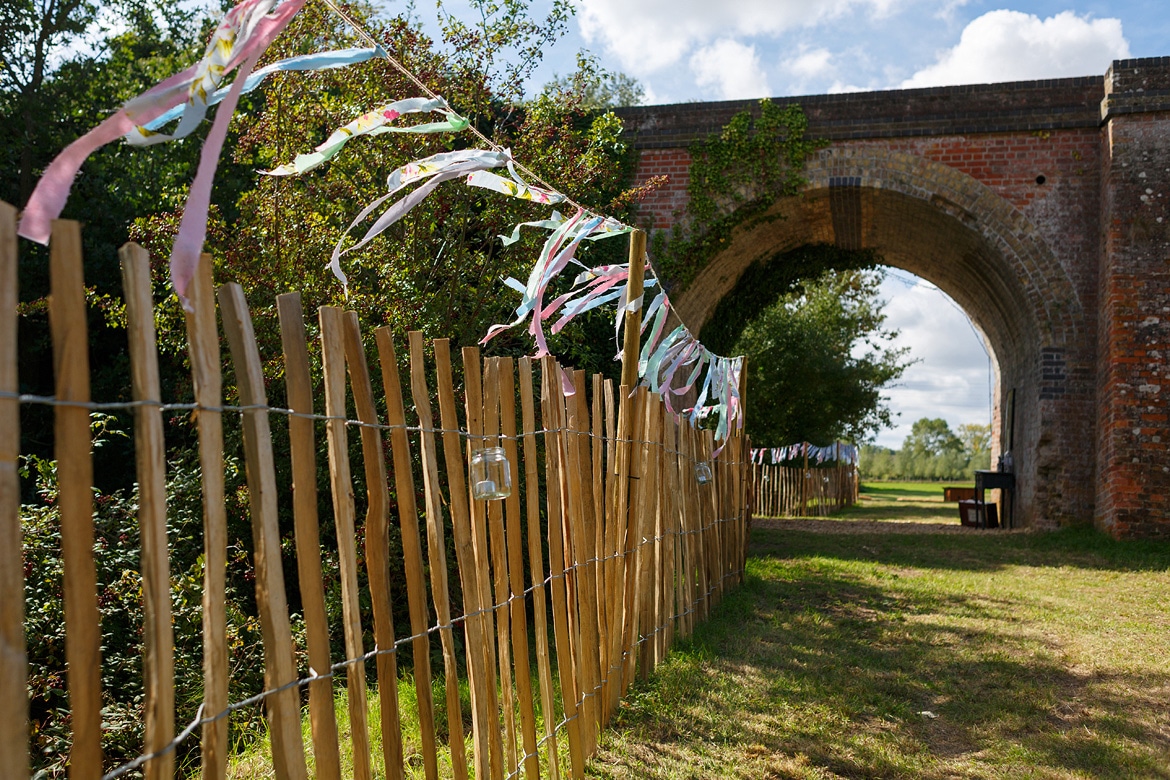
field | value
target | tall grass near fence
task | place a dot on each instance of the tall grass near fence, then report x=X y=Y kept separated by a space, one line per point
x=551 y=600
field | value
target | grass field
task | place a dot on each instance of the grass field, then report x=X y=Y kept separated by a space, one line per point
x=889 y=642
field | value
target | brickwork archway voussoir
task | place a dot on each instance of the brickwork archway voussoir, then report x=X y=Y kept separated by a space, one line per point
x=1044 y=283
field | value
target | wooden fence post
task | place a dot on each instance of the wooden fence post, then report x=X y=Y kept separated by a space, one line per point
x=284 y=712
x=475 y=631
x=436 y=544
x=487 y=688
x=416 y=586
x=302 y=451
x=377 y=550
x=631 y=346
x=158 y=663
x=13 y=651
x=203 y=348
x=344 y=512
x=553 y=417
x=515 y=553
x=536 y=564
x=499 y=567
x=73 y=448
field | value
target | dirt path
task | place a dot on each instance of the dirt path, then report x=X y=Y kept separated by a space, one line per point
x=822 y=526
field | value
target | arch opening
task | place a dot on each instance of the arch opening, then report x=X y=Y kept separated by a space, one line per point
x=949 y=230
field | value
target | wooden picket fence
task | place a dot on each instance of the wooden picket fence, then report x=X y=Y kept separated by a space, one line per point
x=604 y=479
x=809 y=491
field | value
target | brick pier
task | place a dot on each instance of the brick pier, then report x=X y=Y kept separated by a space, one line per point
x=1043 y=209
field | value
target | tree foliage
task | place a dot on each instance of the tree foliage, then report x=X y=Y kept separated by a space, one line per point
x=815 y=365
x=599 y=89
x=438 y=271
x=931 y=451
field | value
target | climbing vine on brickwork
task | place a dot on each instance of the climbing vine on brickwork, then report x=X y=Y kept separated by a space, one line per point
x=765 y=281
x=735 y=176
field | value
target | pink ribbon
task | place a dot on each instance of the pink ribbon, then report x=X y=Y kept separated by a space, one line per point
x=52 y=191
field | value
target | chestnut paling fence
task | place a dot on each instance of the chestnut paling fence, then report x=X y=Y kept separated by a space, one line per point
x=606 y=549
x=808 y=491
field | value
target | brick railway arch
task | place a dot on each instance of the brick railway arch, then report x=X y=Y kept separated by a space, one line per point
x=950 y=229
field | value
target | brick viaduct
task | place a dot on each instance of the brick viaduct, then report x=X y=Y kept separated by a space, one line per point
x=1043 y=209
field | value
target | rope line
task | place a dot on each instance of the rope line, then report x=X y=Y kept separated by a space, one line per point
x=102 y=406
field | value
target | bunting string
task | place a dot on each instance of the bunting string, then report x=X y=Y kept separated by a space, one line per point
x=671 y=362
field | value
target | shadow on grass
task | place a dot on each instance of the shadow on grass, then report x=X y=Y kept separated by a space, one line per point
x=971 y=549
x=805 y=671
x=927 y=490
x=907 y=511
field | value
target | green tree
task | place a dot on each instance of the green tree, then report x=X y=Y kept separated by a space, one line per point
x=976 y=440
x=599 y=89
x=931 y=437
x=814 y=371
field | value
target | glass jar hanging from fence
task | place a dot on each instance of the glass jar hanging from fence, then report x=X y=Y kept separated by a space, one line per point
x=491 y=477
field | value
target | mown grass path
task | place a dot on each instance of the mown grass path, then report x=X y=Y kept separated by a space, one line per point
x=890 y=643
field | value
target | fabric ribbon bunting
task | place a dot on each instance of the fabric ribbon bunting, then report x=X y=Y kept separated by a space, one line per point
x=590 y=289
x=193 y=111
x=375 y=122
x=238 y=42
x=838 y=452
x=245 y=30
x=438 y=168
x=513 y=187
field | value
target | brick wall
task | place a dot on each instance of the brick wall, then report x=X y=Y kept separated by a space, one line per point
x=1133 y=481
x=1043 y=208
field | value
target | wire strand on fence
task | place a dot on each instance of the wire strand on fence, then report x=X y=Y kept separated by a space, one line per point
x=103 y=406
x=199 y=720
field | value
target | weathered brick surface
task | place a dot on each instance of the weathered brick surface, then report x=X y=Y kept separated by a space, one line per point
x=1042 y=209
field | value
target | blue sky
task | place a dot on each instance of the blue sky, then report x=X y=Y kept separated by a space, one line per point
x=684 y=50
x=701 y=50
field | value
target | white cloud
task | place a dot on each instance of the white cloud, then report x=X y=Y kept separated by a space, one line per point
x=808 y=65
x=730 y=68
x=648 y=35
x=951 y=379
x=1011 y=46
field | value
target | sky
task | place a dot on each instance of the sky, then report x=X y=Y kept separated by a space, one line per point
x=699 y=50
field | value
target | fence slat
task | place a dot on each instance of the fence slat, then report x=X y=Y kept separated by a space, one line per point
x=416 y=587
x=499 y=560
x=580 y=543
x=303 y=454
x=377 y=548
x=596 y=447
x=637 y=434
x=73 y=450
x=616 y=540
x=203 y=349
x=13 y=650
x=607 y=548
x=476 y=632
x=158 y=663
x=284 y=712
x=486 y=690
x=553 y=408
x=436 y=544
x=646 y=606
x=536 y=564
x=341 y=481
x=515 y=554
